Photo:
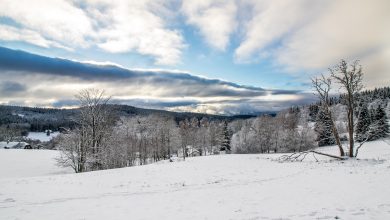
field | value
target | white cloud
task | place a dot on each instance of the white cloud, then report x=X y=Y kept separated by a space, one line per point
x=9 y=33
x=215 y=19
x=270 y=22
x=349 y=30
x=311 y=36
x=42 y=80
x=135 y=27
x=376 y=67
x=114 y=26
x=55 y=20
x=299 y=35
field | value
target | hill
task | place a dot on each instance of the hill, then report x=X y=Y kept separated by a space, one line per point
x=41 y=119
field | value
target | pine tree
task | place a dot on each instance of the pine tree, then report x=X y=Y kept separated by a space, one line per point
x=372 y=115
x=323 y=128
x=313 y=111
x=225 y=138
x=363 y=124
x=381 y=125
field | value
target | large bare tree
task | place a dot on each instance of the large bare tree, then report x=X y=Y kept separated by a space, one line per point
x=350 y=77
x=96 y=120
x=83 y=148
x=323 y=85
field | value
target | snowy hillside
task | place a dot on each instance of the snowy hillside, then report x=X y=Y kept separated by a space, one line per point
x=29 y=163
x=210 y=187
x=41 y=136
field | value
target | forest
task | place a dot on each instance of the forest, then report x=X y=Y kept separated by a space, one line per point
x=102 y=140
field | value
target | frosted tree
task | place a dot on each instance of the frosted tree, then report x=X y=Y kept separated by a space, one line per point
x=380 y=124
x=203 y=137
x=363 y=124
x=243 y=140
x=214 y=129
x=323 y=85
x=73 y=151
x=323 y=128
x=9 y=132
x=350 y=77
x=225 y=145
x=96 y=121
x=185 y=132
x=87 y=142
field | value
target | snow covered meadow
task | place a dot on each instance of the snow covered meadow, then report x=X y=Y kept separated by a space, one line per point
x=251 y=186
x=20 y=163
x=42 y=136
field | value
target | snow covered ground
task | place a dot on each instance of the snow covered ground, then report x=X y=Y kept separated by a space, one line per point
x=15 y=163
x=42 y=136
x=212 y=187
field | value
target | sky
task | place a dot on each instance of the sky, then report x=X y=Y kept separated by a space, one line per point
x=210 y=56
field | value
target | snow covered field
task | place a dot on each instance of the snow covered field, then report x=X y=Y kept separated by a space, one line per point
x=41 y=136
x=28 y=163
x=212 y=187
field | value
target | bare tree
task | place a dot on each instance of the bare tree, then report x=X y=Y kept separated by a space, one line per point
x=84 y=146
x=9 y=132
x=73 y=153
x=322 y=85
x=350 y=77
x=185 y=136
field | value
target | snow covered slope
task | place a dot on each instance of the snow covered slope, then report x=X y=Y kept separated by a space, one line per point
x=212 y=187
x=28 y=163
x=41 y=136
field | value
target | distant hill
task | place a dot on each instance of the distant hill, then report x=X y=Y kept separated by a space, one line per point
x=40 y=119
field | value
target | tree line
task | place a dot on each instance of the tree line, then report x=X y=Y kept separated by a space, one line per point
x=104 y=140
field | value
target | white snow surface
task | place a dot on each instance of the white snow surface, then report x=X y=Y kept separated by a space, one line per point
x=18 y=163
x=211 y=187
x=41 y=136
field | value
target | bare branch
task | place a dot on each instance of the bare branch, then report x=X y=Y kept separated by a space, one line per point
x=300 y=156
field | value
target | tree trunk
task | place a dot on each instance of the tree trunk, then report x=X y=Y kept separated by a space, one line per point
x=350 y=126
x=336 y=134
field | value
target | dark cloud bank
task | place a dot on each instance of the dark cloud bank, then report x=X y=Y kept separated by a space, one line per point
x=171 y=83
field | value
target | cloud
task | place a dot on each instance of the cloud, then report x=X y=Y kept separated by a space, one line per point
x=216 y=20
x=247 y=105
x=62 y=103
x=301 y=37
x=10 y=88
x=171 y=82
x=338 y=34
x=269 y=23
x=56 y=20
x=9 y=33
x=136 y=26
x=310 y=36
x=114 y=26
x=361 y=33
x=54 y=81
x=295 y=35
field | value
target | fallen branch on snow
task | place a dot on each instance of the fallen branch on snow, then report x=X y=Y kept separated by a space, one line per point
x=300 y=156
